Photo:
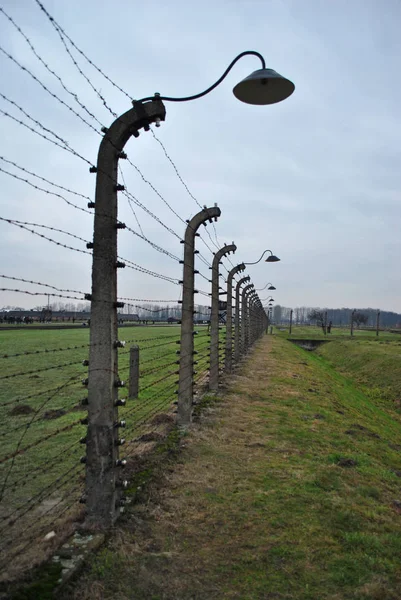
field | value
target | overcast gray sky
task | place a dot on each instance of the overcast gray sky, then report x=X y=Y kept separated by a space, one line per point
x=315 y=178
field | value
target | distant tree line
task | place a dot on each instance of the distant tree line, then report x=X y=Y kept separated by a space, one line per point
x=311 y=315
x=163 y=312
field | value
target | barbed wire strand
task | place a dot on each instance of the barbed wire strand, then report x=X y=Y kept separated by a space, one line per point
x=58 y=27
x=23 y=373
x=18 y=447
x=129 y=201
x=64 y=144
x=61 y=187
x=37 y=496
x=49 y=192
x=29 y=397
x=183 y=182
x=41 y=284
x=31 y=46
x=97 y=92
x=16 y=290
x=52 y=94
x=48 y=463
x=43 y=529
x=66 y=407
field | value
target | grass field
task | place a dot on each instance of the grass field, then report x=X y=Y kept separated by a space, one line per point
x=290 y=490
x=373 y=365
x=310 y=331
x=371 y=361
x=40 y=414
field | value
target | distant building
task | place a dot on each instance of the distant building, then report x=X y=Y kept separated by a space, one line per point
x=172 y=320
x=61 y=316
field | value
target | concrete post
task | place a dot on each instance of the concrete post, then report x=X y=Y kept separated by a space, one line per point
x=133 y=388
x=214 y=317
x=291 y=311
x=262 y=327
x=252 y=318
x=377 y=322
x=263 y=322
x=245 y=318
x=258 y=319
x=250 y=315
x=237 y=319
x=103 y=379
x=325 y=323
x=259 y=324
x=185 y=381
x=229 y=320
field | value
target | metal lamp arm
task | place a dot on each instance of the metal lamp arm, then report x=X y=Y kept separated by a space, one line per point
x=263 y=288
x=212 y=87
x=258 y=261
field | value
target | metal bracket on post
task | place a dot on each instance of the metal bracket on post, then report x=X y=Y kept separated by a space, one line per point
x=214 y=317
x=185 y=382
x=133 y=388
x=229 y=316
x=102 y=457
x=237 y=319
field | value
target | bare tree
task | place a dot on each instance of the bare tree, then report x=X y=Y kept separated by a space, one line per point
x=319 y=317
x=360 y=318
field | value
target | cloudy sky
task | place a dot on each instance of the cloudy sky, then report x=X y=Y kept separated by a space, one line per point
x=316 y=178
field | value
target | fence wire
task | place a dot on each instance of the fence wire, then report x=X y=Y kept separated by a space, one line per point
x=45 y=352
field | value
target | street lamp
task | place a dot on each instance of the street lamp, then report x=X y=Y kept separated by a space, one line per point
x=271 y=258
x=264 y=86
x=270 y=288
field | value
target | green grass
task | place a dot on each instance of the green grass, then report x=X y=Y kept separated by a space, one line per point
x=291 y=492
x=373 y=365
x=313 y=332
x=40 y=411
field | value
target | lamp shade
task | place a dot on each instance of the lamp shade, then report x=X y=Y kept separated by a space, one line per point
x=272 y=258
x=263 y=86
x=271 y=287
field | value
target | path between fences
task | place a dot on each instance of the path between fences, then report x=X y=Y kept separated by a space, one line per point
x=258 y=504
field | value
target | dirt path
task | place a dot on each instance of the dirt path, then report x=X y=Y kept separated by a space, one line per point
x=258 y=504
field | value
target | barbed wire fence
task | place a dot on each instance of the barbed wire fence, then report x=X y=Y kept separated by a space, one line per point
x=78 y=405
